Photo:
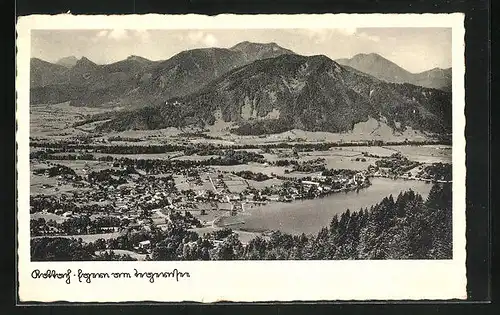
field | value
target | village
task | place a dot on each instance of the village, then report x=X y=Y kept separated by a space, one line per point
x=93 y=197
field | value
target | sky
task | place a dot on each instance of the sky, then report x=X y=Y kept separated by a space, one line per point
x=414 y=49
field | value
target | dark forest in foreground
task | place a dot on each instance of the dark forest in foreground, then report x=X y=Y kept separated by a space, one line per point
x=406 y=227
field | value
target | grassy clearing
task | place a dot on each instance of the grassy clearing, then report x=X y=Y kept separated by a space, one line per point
x=56 y=121
x=253 y=167
x=425 y=154
x=244 y=236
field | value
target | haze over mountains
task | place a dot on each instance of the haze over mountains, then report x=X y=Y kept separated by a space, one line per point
x=262 y=88
x=387 y=70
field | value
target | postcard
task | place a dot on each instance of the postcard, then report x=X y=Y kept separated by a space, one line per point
x=242 y=158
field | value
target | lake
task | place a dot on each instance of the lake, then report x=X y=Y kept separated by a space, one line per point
x=309 y=216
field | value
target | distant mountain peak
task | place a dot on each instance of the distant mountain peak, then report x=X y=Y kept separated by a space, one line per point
x=386 y=70
x=69 y=61
x=438 y=69
x=374 y=57
x=255 y=51
x=85 y=60
x=138 y=58
x=247 y=44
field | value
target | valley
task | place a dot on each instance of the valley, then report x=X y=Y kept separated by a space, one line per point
x=102 y=187
x=216 y=151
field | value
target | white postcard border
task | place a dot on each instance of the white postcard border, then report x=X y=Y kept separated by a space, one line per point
x=247 y=280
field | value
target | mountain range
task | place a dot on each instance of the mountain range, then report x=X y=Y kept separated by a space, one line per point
x=386 y=70
x=137 y=81
x=260 y=88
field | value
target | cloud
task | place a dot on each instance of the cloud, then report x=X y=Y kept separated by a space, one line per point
x=323 y=34
x=115 y=34
x=347 y=31
x=143 y=35
x=372 y=38
x=203 y=38
x=122 y=34
x=102 y=33
x=118 y=34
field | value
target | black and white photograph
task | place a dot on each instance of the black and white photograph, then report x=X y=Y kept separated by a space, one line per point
x=241 y=144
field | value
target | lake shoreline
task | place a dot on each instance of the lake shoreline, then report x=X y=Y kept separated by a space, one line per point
x=308 y=216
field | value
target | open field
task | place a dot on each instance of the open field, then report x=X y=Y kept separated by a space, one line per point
x=195 y=157
x=56 y=121
x=153 y=156
x=49 y=186
x=243 y=236
x=182 y=183
x=253 y=167
x=336 y=158
x=265 y=183
x=425 y=154
x=47 y=217
x=375 y=150
x=79 y=166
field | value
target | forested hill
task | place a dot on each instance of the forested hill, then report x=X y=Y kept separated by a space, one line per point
x=297 y=92
x=406 y=227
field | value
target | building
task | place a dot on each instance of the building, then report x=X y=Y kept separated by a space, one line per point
x=145 y=244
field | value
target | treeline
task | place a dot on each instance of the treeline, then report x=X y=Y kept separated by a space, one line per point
x=41 y=155
x=73 y=249
x=127 y=139
x=397 y=163
x=111 y=176
x=76 y=225
x=230 y=154
x=157 y=166
x=311 y=166
x=70 y=249
x=339 y=172
x=109 y=149
x=53 y=204
x=56 y=171
x=437 y=171
x=198 y=135
x=95 y=118
x=74 y=146
x=259 y=177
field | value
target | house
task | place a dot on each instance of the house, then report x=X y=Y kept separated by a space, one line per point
x=110 y=229
x=309 y=183
x=320 y=178
x=145 y=244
